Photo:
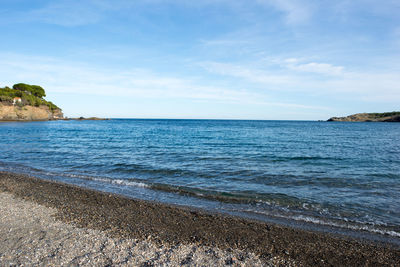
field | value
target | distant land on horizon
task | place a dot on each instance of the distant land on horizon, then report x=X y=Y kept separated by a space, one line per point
x=393 y=116
x=24 y=102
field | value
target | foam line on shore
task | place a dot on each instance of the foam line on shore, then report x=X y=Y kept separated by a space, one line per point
x=125 y=217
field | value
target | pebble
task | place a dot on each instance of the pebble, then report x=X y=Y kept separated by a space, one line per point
x=29 y=235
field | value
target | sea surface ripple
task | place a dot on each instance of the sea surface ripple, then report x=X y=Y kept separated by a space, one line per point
x=341 y=174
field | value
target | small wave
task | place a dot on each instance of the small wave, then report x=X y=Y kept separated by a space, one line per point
x=12 y=166
x=129 y=183
x=207 y=194
x=303 y=158
x=243 y=197
x=349 y=226
x=281 y=204
x=345 y=225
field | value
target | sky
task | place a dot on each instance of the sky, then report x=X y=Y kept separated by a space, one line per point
x=205 y=59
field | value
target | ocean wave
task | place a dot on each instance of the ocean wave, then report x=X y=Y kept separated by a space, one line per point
x=344 y=223
x=364 y=227
x=304 y=158
x=39 y=172
x=127 y=182
x=271 y=204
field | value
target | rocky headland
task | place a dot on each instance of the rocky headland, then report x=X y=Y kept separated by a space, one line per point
x=28 y=113
x=24 y=102
x=370 y=117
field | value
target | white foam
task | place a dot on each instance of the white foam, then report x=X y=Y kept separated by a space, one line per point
x=129 y=183
x=349 y=226
x=102 y=179
x=330 y=223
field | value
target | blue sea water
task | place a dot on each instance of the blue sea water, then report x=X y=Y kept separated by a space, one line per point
x=345 y=175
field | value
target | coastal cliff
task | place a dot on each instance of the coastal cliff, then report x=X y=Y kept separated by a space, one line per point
x=370 y=117
x=28 y=113
x=24 y=102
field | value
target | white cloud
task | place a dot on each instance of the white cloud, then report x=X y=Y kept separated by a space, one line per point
x=295 y=11
x=251 y=75
x=76 y=13
x=61 y=77
x=322 y=68
x=365 y=86
x=292 y=60
x=304 y=65
x=72 y=77
x=371 y=86
x=70 y=13
x=224 y=42
x=67 y=13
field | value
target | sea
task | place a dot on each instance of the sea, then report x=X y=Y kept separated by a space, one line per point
x=340 y=177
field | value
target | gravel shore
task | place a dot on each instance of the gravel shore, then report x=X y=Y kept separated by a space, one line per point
x=30 y=235
x=49 y=223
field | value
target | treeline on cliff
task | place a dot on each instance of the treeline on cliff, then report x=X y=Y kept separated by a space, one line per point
x=32 y=95
x=384 y=114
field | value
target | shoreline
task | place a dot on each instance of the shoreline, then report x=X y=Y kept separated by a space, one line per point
x=123 y=217
x=31 y=236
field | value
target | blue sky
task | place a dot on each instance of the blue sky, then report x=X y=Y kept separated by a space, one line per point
x=219 y=59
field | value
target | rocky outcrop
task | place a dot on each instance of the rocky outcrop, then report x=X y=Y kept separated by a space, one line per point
x=28 y=113
x=393 y=119
x=370 y=117
x=86 y=119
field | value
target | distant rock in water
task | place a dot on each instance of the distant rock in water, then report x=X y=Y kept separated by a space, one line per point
x=86 y=119
x=24 y=102
x=373 y=117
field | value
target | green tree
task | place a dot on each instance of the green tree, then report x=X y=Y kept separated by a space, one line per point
x=22 y=87
x=35 y=90
x=38 y=91
x=30 y=95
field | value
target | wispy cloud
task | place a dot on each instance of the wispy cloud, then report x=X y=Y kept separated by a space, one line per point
x=313 y=67
x=75 y=13
x=381 y=86
x=292 y=54
x=295 y=11
x=80 y=78
x=224 y=42
x=67 y=13
x=249 y=74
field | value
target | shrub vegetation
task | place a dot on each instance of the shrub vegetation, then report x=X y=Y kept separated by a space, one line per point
x=384 y=114
x=29 y=94
x=35 y=90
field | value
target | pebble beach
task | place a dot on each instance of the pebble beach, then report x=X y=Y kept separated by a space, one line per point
x=51 y=223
